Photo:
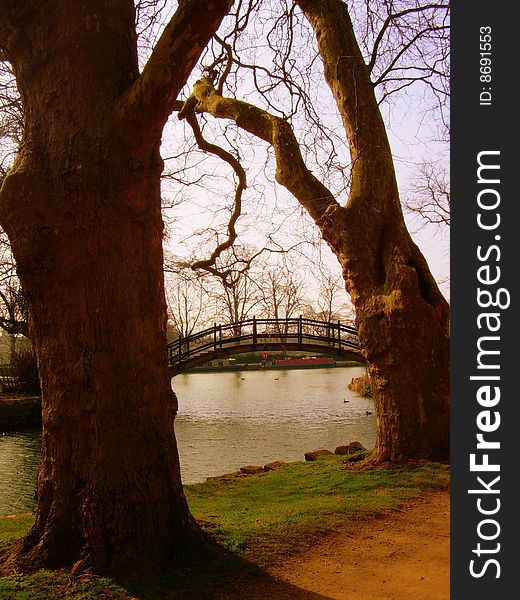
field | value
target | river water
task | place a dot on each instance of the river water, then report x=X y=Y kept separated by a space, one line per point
x=227 y=420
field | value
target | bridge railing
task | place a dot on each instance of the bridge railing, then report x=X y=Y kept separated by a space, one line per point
x=252 y=332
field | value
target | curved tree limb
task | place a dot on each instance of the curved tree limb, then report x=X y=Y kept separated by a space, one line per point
x=153 y=94
x=291 y=171
x=187 y=112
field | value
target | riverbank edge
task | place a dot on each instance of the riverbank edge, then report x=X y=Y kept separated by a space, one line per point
x=19 y=412
x=258 y=367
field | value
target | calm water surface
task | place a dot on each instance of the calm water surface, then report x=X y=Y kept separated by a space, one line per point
x=19 y=455
x=228 y=420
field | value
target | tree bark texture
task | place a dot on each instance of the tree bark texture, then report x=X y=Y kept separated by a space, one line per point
x=402 y=318
x=82 y=209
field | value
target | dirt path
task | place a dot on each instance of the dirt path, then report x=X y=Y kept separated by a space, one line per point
x=402 y=556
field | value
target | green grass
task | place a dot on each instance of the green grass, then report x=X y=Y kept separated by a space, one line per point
x=46 y=585
x=260 y=518
x=266 y=517
x=12 y=528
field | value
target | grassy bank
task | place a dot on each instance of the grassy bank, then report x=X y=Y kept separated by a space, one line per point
x=261 y=518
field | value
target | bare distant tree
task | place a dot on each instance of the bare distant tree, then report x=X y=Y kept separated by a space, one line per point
x=428 y=195
x=332 y=303
x=236 y=296
x=187 y=303
x=14 y=316
x=11 y=118
x=283 y=292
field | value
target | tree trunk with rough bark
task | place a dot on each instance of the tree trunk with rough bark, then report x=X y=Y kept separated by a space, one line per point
x=82 y=209
x=402 y=318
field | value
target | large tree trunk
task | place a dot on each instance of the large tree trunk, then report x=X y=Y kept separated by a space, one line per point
x=403 y=330
x=109 y=490
x=82 y=209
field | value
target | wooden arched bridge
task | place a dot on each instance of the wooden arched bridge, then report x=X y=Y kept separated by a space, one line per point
x=250 y=335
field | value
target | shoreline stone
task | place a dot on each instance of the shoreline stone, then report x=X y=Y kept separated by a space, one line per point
x=316 y=454
x=350 y=449
x=252 y=470
x=225 y=476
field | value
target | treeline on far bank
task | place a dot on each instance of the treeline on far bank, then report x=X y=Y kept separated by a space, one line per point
x=18 y=366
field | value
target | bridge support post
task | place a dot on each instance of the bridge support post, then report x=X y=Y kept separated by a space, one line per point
x=215 y=338
x=339 y=335
x=300 y=331
x=255 y=336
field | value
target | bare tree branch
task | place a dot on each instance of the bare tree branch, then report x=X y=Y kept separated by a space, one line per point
x=394 y=17
x=187 y=112
x=181 y=43
x=392 y=66
x=429 y=195
x=291 y=171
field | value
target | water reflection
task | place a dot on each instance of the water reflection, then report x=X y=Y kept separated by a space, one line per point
x=19 y=456
x=228 y=420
